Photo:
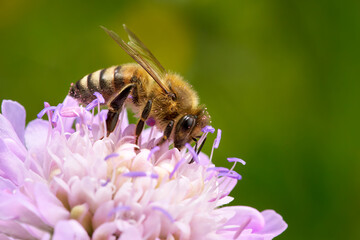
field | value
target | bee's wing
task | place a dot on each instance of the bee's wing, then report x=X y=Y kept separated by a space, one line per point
x=138 y=45
x=142 y=55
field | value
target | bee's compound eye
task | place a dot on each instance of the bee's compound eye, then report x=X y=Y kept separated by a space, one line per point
x=188 y=122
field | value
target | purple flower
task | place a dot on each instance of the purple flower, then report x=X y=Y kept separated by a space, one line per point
x=62 y=179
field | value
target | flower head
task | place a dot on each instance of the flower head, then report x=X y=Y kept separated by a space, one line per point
x=64 y=179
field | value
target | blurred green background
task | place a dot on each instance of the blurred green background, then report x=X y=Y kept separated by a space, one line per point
x=280 y=78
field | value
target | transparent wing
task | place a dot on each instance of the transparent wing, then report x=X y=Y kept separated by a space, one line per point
x=142 y=55
x=143 y=50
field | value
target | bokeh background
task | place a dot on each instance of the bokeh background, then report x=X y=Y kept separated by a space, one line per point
x=280 y=78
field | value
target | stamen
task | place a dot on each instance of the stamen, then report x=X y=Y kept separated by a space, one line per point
x=154 y=175
x=49 y=114
x=225 y=172
x=218 y=169
x=102 y=117
x=140 y=174
x=215 y=169
x=217 y=139
x=150 y=135
x=177 y=165
x=218 y=198
x=71 y=112
x=216 y=143
x=61 y=121
x=192 y=152
x=105 y=182
x=241 y=228
x=101 y=101
x=118 y=209
x=99 y=97
x=92 y=105
x=233 y=159
x=56 y=113
x=230 y=174
x=152 y=151
x=208 y=129
x=163 y=211
x=111 y=155
x=45 y=110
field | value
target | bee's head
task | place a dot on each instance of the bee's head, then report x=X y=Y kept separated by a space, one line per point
x=189 y=127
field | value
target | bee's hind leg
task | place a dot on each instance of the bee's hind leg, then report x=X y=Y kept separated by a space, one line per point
x=115 y=107
x=140 y=124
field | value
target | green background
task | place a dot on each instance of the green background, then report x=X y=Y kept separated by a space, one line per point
x=280 y=78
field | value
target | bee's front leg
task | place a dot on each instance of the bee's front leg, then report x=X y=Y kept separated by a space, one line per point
x=197 y=150
x=140 y=124
x=167 y=132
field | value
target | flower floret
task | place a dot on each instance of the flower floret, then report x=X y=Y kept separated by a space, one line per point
x=64 y=178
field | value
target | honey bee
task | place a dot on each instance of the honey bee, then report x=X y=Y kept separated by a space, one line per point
x=149 y=90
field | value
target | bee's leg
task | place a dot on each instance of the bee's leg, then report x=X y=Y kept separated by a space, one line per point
x=201 y=146
x=140 y=124
x=196 y=143
x=198 y=150
x=115 y=108
x=167 y=132
x=111 y=121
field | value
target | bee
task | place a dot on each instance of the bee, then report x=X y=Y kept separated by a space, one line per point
x=149 y=90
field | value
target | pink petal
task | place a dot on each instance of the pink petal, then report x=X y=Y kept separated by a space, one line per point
x=203 y=230
x=227 y=185
x=203 y=159
x=184 y=228
x=19 y=207
x=101 y=214
x=4 y=237
x=68 y=122
x=15 y=230
x=124 y=120
x=238 y=215
x=145 y=134
x=16 y=114
x=7 y=130
x=128 y=231
x=9 y=136
x=69 y=230
x=6 y=185
x=152 y=225
x=36 y=134
x=274 y=223
x=12 y=167
x=103 y=194
x=224 y=201
x=45 y=201
x=105 y=231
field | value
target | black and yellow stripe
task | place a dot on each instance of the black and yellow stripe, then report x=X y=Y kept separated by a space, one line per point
x=106 y=81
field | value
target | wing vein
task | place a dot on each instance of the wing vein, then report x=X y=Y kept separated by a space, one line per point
x=142 y=55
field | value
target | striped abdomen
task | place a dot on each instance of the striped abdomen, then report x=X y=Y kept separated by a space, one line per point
x=106 y=81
